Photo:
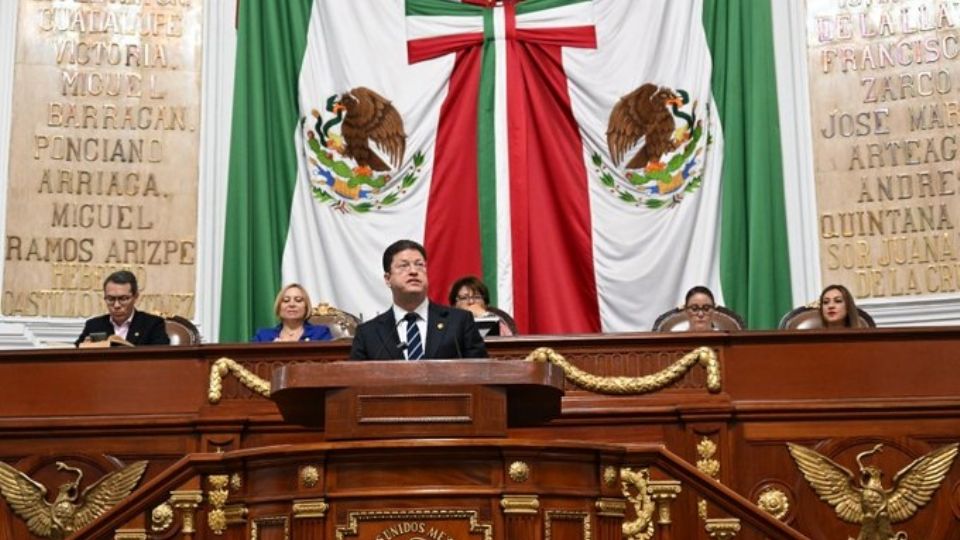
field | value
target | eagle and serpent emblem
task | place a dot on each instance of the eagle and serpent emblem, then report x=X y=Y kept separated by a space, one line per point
x=71 y=509
x=355 y=146
x=654 y=139
x=862 y=499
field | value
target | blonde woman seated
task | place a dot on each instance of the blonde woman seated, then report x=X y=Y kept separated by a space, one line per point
x=293 y=307
x=471 y=294
x=837 y=308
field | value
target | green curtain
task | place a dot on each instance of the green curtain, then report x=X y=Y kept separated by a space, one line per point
x=271 y=39
x=754 y=257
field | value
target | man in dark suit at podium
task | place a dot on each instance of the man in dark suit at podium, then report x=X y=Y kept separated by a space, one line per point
x=415 y=328
x=123 y=325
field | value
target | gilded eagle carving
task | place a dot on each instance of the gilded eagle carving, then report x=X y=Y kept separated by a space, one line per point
x=645 y=116
x=371 y=117
x=70 y=509
x=862 y=499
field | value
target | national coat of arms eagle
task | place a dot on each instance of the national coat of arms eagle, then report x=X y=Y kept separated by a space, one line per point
x=71 y=509
x=371 y=117
x=867 y=502
x=644 y=115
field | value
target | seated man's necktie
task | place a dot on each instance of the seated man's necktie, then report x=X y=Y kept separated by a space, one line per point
x=414 y=341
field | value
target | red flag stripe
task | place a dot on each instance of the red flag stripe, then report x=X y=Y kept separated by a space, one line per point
x=452 y=236
x=422 y=49
x=552 y=240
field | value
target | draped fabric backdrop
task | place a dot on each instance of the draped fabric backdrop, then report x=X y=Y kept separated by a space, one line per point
x=569 y=152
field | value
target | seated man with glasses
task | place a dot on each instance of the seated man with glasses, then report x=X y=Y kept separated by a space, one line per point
x=414 y=328
x=699 y=307
x=122 y=321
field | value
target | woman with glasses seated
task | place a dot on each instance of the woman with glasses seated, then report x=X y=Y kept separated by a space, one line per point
x=471 y=294
x=293 y=308
x=699 y=307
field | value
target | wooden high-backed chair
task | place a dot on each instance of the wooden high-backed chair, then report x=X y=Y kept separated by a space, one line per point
x=180 y=330
x=342 y=325
x=675 y=320
x=808 y=317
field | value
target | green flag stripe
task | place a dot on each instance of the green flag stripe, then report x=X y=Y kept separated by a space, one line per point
x=442 y=7
x=754 y=261
x=271 y=40
x=531 y=6
x=487 y=158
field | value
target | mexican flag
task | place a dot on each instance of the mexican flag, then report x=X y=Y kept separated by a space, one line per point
x=568 y=152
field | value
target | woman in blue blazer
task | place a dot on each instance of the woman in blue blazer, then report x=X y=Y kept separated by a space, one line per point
x=293 y=308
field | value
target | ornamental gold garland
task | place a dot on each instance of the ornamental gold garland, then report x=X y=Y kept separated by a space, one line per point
x=635 y=385
x=226 y=365
x=587 y=381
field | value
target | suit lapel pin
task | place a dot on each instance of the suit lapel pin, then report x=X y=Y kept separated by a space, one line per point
x=439 y=326
x=136 y=334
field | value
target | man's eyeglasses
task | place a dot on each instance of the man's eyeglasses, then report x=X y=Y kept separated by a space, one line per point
x=405 y=266
x=469 y=298
x=110 y=300
x=700 y=309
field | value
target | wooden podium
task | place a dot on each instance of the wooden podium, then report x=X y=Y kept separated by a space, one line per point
x=408 y=449
x=435 y=398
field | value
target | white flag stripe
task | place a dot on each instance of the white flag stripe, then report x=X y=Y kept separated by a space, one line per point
x=336 y=254
x=423 y=26
x=645 y=259
x=579 y=14
x=504 y=243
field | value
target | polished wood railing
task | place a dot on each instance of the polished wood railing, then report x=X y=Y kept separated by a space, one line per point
x=839 y=393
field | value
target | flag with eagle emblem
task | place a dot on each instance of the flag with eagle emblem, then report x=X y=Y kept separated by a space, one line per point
x=565 y=151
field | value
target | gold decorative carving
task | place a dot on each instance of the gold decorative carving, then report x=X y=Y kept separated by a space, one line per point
x=611 y=507
x=520 y=504
x=161 y=518
x=70 y=509
x=635 y=385
x=869 y=503
x=610 y=475
x=310 y=508
x=309 y=476
x=217 y=497
x=259 y=523
x=662 y=492
x=722 y=528
x=236 y=482
x=354 y=519
x=556 y=515
x=236 y=514
x=186 y=501
x=519 y=472
x=225 y=365
x=641 y=528
x=774 y=502
x=708 y=465
x=130 y=534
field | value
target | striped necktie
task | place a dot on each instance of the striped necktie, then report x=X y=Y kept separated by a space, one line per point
x=414 y=342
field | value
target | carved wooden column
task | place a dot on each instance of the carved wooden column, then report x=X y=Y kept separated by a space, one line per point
x=662 y=493
x=309 y=519
x=722 y=528
x=521 y=517
x=610 y=515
